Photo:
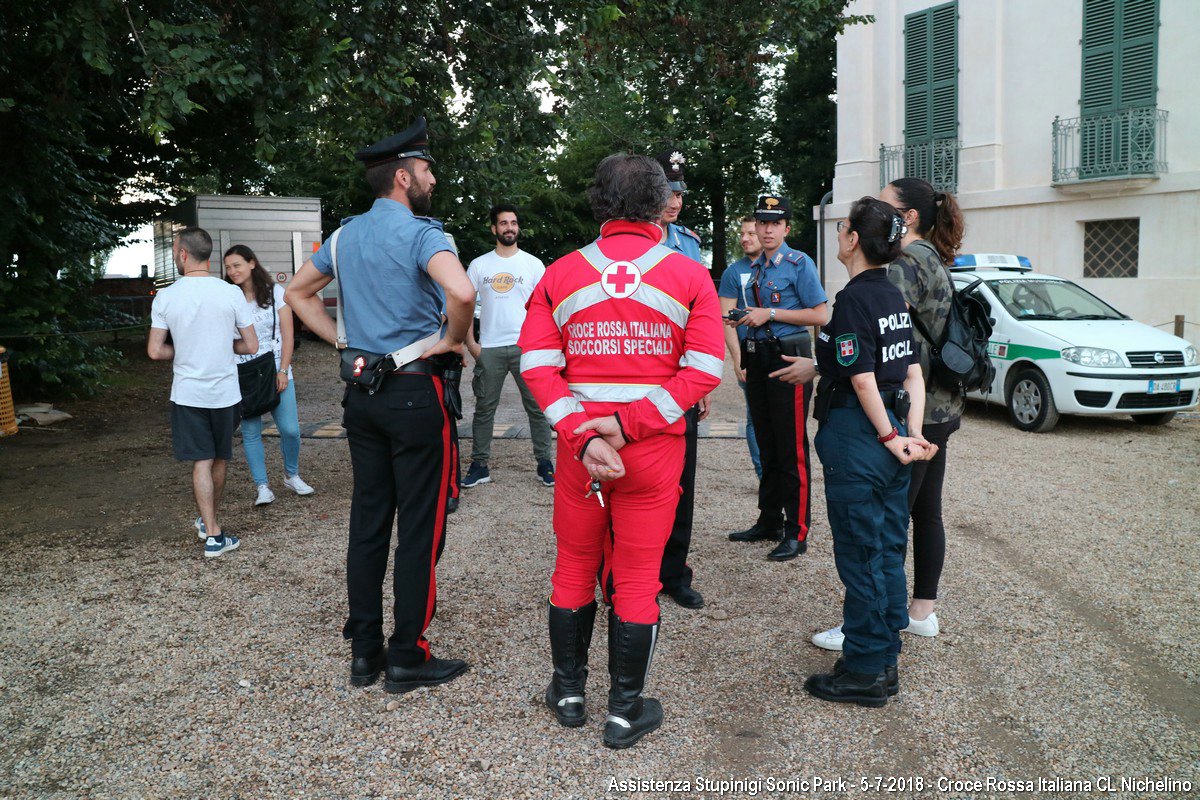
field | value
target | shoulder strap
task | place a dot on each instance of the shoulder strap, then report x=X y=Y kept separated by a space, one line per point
x=341 y=317
x=274 y=314
x=404 y=355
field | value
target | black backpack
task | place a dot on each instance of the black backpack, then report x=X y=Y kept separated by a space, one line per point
x=959 y=359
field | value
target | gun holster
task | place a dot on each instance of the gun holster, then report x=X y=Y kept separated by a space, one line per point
x=451 y=365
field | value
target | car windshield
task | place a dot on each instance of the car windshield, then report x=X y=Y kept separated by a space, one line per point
x=1040 y=299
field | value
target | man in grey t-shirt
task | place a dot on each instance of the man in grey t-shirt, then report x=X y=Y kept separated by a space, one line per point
x=204 y=315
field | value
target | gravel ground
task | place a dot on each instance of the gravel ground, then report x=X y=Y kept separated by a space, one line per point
x=133 y=667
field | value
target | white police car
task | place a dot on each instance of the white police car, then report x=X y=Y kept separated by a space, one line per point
x=1058 y=348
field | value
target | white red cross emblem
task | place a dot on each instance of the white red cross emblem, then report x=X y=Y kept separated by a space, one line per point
x=620 y=279
x=847 y=348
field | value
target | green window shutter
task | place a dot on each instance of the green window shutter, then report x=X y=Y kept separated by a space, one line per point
x=1099 y=93
x=1138 y=52
x=931 y=74
x=943 y=72
x=917 y=80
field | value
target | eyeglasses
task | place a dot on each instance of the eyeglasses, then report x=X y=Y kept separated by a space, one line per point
x=843 y=225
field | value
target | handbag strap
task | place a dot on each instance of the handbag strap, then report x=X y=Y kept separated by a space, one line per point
x=405 y=355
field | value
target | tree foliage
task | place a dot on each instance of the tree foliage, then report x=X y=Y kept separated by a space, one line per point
x=112 y=110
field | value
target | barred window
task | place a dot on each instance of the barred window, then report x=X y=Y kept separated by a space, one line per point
x=1110 y=248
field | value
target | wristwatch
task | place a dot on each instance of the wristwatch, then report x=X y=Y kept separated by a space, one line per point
x=772 y=315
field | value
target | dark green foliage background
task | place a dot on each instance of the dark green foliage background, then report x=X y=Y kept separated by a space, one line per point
x=111 y=111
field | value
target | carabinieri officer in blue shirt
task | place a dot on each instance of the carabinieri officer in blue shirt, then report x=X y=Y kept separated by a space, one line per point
x=396 y=272
x=785 y=296
x=675 y=574
x=870 y=394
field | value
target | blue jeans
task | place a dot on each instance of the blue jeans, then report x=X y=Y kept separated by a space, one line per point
x=287 y=419
x=751 y=442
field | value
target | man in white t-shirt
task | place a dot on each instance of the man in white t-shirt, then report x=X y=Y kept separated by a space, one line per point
x=204 y=316
x=503 y=279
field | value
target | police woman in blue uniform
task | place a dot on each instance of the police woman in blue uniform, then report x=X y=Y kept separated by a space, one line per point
x=870 y=394
x=396 y=272
x=787 y=297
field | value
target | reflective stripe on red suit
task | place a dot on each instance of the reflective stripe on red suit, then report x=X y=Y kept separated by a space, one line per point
x=623 y=326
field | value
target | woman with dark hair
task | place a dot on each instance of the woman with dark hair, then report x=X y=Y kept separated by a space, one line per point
x=934 y=234
x=273 y=324
x=870 y=404
x=621 y=337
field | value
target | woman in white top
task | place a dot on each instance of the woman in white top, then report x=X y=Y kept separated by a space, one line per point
x=273 y=324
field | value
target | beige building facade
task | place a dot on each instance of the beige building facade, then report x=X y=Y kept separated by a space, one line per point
x=1069 y=131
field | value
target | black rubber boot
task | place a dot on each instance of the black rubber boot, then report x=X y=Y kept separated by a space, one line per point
x=570 y=637
x=630 y=716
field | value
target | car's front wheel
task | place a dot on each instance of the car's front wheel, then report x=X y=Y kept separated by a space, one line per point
x=1161 y=418
x=1031 y=403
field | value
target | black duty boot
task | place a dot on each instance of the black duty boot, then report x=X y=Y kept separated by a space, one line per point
x=756 y=533
x=891 y=675
x=570 y=637
x=364 y=670
x=685 y=596
x=630 y=716
x=849 y=687
x=433 y=672
x=788 y=548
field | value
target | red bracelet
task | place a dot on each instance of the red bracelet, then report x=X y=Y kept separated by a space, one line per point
x=885 y=439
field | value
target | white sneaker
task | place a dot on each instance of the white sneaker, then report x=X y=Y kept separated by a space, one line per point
x=924 y=627
x=297 y=485
x=265 y=495
x=830 y=640
x=201 y=531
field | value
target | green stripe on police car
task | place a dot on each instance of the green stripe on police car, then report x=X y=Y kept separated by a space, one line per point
x=1011 y=352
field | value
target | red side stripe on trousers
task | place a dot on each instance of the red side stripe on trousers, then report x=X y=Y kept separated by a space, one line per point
x=801 y=461
x=439 y=525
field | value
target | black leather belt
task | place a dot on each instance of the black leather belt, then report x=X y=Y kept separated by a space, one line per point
x=418 y=367
x=842 y=399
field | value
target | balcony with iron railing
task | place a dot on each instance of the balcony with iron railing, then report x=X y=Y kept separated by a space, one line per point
x=1119 y=144
x=935 y=161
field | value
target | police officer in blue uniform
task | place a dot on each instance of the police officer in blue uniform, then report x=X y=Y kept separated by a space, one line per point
x=786 y=296
x=675 y=574
x=870 y=395
x=396 y=272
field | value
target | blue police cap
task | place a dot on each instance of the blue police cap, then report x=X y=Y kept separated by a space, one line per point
x=672 y=162
x=771 y=207
x=412 y=142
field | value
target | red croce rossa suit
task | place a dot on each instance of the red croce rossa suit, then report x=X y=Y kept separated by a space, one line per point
x=631 y=327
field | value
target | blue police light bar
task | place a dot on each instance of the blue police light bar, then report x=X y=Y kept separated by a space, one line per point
x=1000 y=261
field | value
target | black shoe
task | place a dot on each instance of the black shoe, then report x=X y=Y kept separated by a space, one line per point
x=788 y=548
x=630 y=651
x=433 y=672
x=849 y=687
x=570 y=638
x=451 y=505
x=891 y=674
x=756 y=533
x=364 y=670
x=685 y=596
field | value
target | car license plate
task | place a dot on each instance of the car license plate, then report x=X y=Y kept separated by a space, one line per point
x=1163 y=387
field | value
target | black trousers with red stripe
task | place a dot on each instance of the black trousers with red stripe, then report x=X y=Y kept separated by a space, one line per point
x=400 y=450
x=779 y=411
x=675 y=572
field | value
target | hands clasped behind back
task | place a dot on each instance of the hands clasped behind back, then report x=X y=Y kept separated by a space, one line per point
x=600 y=457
